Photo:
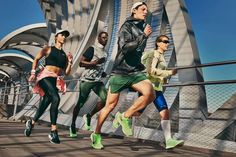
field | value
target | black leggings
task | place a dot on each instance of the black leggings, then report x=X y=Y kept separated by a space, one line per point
x=51 y=95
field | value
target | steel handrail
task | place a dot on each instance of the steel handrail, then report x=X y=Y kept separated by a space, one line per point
x=204 y=65
x=178 y=68
x=200 y=83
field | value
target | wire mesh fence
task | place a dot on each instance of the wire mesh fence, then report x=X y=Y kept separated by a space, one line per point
x=199 y=111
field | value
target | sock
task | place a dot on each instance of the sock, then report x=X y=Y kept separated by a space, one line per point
x=165 y=124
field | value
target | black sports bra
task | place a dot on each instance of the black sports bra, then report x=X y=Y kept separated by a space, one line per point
x=56 y=58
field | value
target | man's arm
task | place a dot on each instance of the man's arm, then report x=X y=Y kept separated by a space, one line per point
x=128 y=44
x=44 y=52
x=86 y=59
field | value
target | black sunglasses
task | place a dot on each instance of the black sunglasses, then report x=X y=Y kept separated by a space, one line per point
x=165 y=41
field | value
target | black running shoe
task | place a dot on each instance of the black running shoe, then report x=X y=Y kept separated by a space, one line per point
x=54 y=138
x=28 y=128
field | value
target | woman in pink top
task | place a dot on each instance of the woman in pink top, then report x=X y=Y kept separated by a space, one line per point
x=48 y=82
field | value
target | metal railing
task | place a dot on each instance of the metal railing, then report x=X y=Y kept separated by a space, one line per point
x=205 y=65
x=177 y=84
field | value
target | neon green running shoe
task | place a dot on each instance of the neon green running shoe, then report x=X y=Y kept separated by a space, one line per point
x=73 y=132
x=125 y=123
x=87 y=121
x=171 y=143
x=96 y=141
x=115 y=122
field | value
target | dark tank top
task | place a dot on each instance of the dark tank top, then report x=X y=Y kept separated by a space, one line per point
x=56 y=58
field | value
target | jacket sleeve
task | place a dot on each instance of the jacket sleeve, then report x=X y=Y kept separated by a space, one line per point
x=155 y=71
x=126 y=41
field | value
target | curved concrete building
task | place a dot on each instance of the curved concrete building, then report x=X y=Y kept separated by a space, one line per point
x=17 y=51
x=84 y=19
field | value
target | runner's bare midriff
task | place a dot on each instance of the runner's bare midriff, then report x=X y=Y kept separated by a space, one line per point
x=54 y=69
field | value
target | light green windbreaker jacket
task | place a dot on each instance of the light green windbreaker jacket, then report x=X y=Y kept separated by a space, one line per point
x=155 y=64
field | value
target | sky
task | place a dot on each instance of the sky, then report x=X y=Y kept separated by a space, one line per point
x=214 y=25
x=213 y=22
x=19 y=13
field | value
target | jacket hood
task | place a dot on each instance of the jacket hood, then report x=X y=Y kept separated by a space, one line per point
x=131 y=18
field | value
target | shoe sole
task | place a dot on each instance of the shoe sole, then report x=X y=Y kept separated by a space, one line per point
x=98 y=148
x=179 y=144
x=25 y=131
x=72 y=135
x=53 y=142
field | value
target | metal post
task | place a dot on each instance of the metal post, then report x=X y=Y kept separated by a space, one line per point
x=1 y=97
x=18 y=97
x=4 y=93
x=15 y=107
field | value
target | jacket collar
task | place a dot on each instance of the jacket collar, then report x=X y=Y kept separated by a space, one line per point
x=99 y=45
x=136 y=21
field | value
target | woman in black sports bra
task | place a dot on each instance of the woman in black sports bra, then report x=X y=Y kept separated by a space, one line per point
x=49 y=82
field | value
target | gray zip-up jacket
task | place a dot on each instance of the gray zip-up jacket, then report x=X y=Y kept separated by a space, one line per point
x=131 y=44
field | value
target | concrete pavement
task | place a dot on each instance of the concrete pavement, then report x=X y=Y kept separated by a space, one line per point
x=13 y=143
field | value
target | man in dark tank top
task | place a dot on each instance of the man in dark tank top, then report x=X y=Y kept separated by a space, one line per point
x=93 y=60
